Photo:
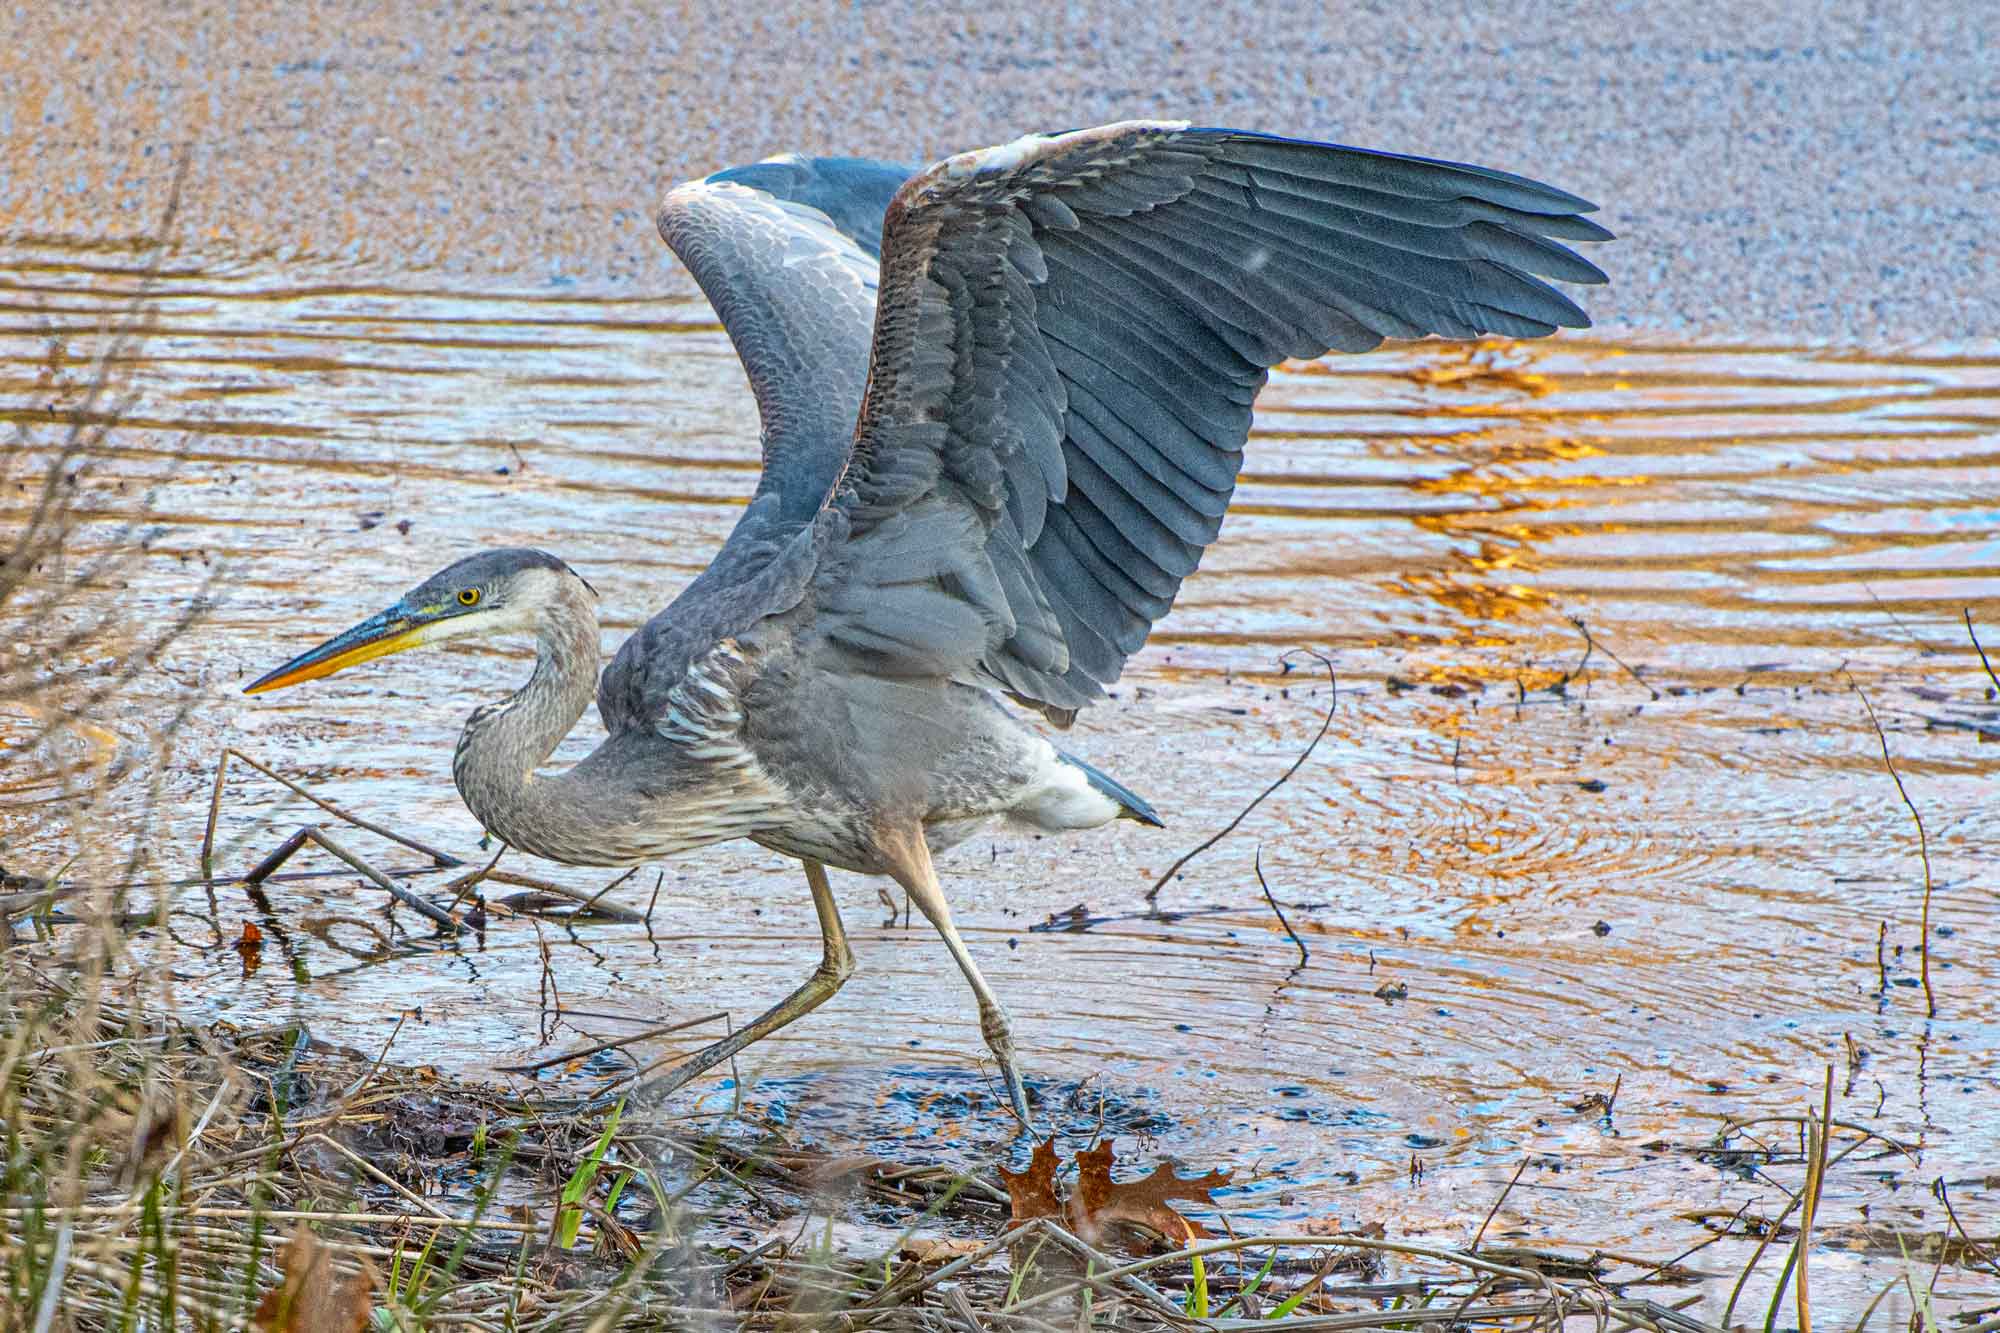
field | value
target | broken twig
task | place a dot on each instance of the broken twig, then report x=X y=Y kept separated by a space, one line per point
x=1494 y=1211
x=1333 y=699
x=1590 y=642
x=338 y=812
x=465 y=884
x=319 y=837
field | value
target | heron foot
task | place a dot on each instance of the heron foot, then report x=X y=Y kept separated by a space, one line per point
x=999 y=1036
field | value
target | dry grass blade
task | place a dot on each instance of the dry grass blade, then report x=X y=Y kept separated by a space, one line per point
x=1923 y=847
x=1819 y=1132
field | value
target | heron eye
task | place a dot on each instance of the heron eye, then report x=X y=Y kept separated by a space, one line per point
x=468 y=597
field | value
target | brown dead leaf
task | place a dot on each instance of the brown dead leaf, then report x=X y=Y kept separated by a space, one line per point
x=614 y=1238
x=936 y=1250
x=1100 y=1203
x=1032 y=1193
x=316 y=1297
x=250 y=948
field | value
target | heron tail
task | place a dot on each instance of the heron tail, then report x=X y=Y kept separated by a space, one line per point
x=1130 y=804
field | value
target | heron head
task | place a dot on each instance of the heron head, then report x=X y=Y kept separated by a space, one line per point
x=493 y=592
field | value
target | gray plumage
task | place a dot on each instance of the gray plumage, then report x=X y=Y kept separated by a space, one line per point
x=1004 y=403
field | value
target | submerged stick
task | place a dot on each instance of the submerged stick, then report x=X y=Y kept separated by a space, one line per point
x=1978 y=649
x=611 y=910
x=341 y=813
x=1590 y=642
x=1257 y=862
x=1923 y=846
x=313 y=833
x=1333 y=699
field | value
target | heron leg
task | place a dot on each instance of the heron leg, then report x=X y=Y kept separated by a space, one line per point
x=836 y=965
x=909 y=858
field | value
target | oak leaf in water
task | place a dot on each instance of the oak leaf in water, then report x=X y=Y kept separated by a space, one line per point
x=1099 y=1203
x=316 y=1297
x=250 y=948
x=1032 y=1193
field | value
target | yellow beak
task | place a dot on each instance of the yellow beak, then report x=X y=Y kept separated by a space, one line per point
x=393 y=631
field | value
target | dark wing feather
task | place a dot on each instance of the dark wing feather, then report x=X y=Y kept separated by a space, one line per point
x=785 y=250
x=1071 y=332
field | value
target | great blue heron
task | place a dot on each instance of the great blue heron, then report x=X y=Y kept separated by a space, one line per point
x=1004 y=402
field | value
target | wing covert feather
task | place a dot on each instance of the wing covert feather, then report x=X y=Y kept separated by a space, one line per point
x=1071 y=331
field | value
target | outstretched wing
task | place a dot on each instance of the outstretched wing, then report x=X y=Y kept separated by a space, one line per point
x=1071 y=332
x=786 y=251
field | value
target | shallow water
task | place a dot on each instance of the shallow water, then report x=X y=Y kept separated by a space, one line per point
x=1525 y=872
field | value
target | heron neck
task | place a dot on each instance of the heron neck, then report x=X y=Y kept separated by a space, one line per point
x=503 y=744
